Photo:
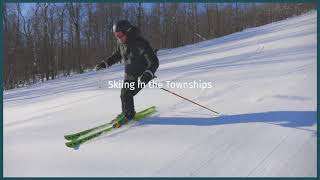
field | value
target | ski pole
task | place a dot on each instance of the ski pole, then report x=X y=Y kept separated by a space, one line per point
x=188 y=100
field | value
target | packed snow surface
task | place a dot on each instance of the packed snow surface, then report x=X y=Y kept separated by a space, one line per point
x=264 y=86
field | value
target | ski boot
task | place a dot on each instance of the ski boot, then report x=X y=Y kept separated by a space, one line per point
x=117 y=118
x=123 y=119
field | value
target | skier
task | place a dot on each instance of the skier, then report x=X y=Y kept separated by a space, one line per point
x=140 y=62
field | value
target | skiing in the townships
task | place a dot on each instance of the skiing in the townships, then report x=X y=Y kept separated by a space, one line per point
x=159 y=89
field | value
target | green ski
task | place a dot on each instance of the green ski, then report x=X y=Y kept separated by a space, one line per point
x=75 y=136
x=72 y=137
x=140 y=115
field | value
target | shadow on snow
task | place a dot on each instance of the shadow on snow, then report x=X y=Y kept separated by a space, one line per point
x=291 y=119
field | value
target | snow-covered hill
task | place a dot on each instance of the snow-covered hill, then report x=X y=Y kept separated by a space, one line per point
x=264 y=85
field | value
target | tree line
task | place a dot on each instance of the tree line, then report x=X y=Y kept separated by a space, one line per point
x=50 y=40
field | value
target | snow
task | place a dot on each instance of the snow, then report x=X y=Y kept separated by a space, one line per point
x=264 y=86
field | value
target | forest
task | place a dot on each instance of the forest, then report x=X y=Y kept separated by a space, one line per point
x=44 y=41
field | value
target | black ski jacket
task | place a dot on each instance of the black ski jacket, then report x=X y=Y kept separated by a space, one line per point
x=137 y=56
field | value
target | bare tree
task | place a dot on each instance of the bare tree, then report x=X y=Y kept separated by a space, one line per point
x=60 y=39
x=74 y=14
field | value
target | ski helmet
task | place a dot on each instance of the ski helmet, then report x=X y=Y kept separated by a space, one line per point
x=121 y=26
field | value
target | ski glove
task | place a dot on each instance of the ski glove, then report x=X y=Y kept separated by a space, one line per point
x=101 y=65
x=146 y=77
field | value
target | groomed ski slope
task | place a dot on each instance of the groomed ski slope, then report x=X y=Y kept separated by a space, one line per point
x=264 y=86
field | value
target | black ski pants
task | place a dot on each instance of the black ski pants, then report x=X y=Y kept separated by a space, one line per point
x=129 y=90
